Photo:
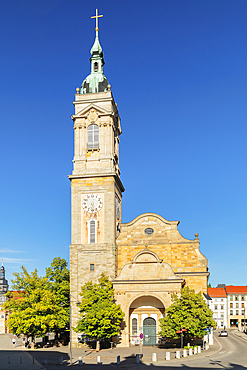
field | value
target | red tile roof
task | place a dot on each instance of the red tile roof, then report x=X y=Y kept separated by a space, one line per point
x=231 y=289
x=217 y=292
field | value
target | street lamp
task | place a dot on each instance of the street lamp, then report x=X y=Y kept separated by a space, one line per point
x=70 y=328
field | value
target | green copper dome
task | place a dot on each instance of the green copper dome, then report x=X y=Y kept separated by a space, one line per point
x=96 y=81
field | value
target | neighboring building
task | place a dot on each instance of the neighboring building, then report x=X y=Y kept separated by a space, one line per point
x=147 y=259
x=218 y=304
x=3 y=290
x=237 y=306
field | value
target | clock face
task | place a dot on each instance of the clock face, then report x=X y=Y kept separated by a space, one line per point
x=92 y=203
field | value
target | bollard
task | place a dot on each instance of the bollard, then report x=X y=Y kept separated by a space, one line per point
x=137 y=359
x=20 y=360
x=185 y=353
x=60 y=360
x=195 y=351
x=45 y=361
x=154 y=357
x=177 y=354
x=199 y=349
x=80 y=361
x=118 y=360
x=98 y=360
x=190 y=352
x=168 y=356
x=206 y=346
x=9 y=360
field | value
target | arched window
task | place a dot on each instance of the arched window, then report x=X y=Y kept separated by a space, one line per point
x=92 y=230
x=93 y=136
x=95 y=66
x=134 y=327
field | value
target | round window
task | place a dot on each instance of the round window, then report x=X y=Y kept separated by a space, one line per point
x=149 y=231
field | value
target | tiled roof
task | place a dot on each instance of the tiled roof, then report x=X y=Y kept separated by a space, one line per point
x=217 y=292
x=231 y=289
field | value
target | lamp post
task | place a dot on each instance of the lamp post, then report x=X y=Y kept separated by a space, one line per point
x=70 y=327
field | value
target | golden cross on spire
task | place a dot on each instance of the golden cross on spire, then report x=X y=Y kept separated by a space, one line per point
x=97 y=16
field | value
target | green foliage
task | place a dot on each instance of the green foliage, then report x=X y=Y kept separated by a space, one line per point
x=35 y=304
x=209 y=285
x=101 y=317
x=59 y=280
x=189 y=312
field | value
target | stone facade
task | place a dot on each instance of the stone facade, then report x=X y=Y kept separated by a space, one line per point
x=147 y=259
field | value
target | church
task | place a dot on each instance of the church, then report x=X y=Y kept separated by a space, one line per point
x=147 y=259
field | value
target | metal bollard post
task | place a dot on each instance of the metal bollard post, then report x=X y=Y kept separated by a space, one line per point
x=60 y=360
x=190 y=352
x=98 y=360
x=195 y=351
x=168 y=356
x=199 y=349
x=185 y=353
x=118 y=360
x=177 y=354
x=80 y=361
x=154 y=357
x=137 y=358
x=45 y=361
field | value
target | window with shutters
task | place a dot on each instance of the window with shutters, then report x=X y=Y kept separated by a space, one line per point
x=92 y=230
x=93 y=137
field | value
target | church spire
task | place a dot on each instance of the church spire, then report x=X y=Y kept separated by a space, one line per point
x=96 y=81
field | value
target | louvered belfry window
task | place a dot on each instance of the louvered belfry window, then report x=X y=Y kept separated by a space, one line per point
x=92 y=237
x=93 y=137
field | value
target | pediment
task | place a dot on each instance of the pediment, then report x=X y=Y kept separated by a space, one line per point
x=85 y=111
x=149 y=218
x=146 y=265
x=150 y=229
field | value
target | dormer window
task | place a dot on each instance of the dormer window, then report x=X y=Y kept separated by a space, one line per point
x=93 y=137
x=95 y=66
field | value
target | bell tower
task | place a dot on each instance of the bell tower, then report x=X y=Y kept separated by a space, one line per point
x=96 y=188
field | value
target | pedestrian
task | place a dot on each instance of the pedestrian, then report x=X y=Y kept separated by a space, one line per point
x=13 y=341
x=23 y=341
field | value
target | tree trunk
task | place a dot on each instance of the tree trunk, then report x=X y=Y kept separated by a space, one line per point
x=98 y=346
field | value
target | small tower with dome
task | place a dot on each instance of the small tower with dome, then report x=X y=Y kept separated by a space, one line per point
x=3 y=285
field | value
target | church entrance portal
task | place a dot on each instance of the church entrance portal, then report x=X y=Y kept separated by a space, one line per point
x=149 y=332
x=145 y=313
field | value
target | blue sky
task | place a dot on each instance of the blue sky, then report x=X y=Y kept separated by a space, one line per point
x=179 y=75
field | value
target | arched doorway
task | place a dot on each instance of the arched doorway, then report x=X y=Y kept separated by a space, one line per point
x=144 y=315
x=149 y=331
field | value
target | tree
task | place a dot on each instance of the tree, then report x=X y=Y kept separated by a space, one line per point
x=189 y=312
x=101 y=317
x=59 y=282
x=34 y=308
